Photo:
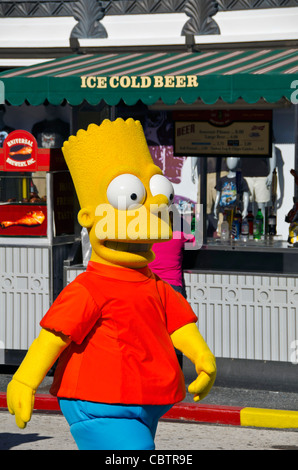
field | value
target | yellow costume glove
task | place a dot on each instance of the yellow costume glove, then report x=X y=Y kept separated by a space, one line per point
x=190 y=342
x=40 y=357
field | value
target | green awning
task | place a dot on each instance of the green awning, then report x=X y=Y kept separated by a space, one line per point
x=209 y=75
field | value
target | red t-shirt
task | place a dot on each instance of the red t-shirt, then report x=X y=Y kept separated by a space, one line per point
x=120 y=321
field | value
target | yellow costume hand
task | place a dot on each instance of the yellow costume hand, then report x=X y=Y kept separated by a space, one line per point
x=190 y=342
x=20 y=402
x=40 y=357
x=206 y=370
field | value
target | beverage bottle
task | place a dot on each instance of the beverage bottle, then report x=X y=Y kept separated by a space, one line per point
x=245 y=230
x=250 y=220
x=236 y=225
x=272 y=224
x=225 y=228
x=193 y=224
x=258 y=225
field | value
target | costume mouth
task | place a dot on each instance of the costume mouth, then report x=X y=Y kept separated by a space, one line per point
x=128 y=247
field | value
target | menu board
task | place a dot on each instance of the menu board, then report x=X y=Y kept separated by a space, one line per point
x=223 y=132
x=238 y=138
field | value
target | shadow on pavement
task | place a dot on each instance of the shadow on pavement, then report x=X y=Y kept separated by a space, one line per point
x=9 y=440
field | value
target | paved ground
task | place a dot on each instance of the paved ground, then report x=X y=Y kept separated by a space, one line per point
x=51 y=432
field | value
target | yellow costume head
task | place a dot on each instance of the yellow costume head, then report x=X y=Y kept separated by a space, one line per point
x=123 y=196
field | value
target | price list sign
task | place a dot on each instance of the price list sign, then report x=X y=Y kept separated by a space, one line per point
x=238 y=138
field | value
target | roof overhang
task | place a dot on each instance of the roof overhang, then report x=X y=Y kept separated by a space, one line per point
x=227 y=75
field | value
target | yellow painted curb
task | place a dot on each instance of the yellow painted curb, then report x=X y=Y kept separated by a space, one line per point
x=264 y=418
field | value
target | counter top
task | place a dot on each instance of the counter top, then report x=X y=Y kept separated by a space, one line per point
x=263 y=256
x=268 y=245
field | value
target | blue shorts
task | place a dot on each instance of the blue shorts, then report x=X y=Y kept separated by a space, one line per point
x=100 y=426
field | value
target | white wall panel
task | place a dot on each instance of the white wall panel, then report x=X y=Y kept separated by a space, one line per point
x=246 y=316
x=242 y=316
x=24 y=294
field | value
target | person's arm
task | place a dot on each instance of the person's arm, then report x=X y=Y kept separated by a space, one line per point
x=41 y=356
x=190 y=342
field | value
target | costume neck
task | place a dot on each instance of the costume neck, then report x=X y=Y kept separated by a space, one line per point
x=98 y=259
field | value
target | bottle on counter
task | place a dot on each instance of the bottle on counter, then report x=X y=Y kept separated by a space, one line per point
x=272 y=224
x=225 y=228
x=245 y=230
x=250 y=220
x=236 y=225
x=193 y=224
x=258 y=225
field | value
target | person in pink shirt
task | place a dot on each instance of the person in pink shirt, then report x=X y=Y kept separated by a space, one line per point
x=167 y=265
x=168 y=260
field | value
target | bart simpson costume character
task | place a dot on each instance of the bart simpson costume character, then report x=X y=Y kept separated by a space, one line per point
x=114 y=328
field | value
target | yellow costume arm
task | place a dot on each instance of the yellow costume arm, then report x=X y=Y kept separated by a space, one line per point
x=40 y=357
x=190 y=342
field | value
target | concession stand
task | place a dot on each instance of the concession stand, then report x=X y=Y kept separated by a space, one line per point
x=198 y=109
x=36 y=235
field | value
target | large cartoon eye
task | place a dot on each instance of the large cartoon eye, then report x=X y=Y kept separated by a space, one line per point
x=159 y=184
x=126 y=192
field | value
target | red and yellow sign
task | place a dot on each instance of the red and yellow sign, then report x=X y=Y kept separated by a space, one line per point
x=20 y=151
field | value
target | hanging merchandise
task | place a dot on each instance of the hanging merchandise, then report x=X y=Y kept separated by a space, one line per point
x=274 y=188
x=229 y=211
x=292 y=214
x=51 y=133
x=271 y=224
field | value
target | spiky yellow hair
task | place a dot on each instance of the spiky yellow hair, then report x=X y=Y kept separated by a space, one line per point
x=112 y=144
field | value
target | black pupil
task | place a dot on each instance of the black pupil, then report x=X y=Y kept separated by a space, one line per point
x=171 y=197
x=133 y=196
